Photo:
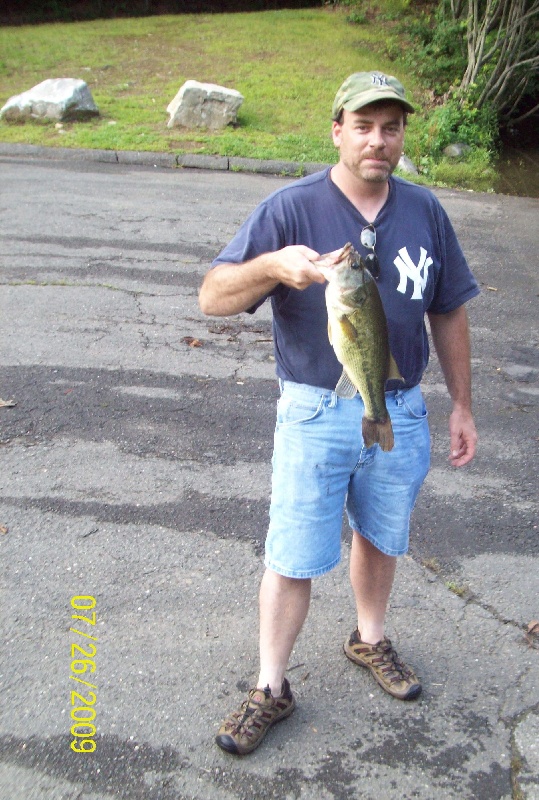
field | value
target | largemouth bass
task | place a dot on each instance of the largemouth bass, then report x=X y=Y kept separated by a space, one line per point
x=357 y=329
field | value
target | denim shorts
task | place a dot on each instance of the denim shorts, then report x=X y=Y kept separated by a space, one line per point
x=320 y=464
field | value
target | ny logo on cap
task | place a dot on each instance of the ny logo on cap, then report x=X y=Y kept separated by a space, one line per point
x=378 y=79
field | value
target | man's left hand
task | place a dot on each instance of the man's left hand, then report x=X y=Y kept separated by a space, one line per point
x=463 y=437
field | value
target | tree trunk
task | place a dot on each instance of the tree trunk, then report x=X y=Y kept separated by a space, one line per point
x=503 y=51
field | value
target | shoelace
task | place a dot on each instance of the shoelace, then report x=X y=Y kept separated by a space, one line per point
x=249 y=710
x=393 y=662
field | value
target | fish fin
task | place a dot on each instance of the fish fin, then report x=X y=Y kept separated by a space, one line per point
x=348 y=329
x=345 y=388
x=394 y=372
x=376 y=431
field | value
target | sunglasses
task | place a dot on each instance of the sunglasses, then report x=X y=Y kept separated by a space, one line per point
x=368 y=240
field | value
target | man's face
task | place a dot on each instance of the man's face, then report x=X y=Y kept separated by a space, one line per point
x=370 y=140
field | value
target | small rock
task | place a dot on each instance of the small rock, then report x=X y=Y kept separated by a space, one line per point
x=407 y=165
x=55 y=98
x=457 y=150
x=204 y=105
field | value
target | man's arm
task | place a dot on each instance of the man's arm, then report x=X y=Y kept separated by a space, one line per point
x=229 y=289
x=451 y=338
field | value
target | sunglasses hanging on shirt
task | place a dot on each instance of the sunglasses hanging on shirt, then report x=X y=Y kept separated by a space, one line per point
x=368 y=240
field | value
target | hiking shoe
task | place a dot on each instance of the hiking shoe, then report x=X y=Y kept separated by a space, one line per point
x=382 y=660
x=243 y=730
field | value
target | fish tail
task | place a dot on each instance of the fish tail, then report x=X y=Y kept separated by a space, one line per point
x=378 y=431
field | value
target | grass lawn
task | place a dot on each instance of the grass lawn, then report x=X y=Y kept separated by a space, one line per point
x=287 y=64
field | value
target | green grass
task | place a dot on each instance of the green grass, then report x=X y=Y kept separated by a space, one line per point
x=288 y=65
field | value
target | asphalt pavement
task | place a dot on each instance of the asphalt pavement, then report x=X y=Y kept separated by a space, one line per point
x=135 y=452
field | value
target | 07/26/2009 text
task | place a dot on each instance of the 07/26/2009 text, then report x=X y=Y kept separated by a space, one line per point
x=82 y=662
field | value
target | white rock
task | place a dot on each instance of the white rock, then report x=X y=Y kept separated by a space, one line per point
x=407 y=165
x=456 y=150
x=204 y=105
x=55 y=98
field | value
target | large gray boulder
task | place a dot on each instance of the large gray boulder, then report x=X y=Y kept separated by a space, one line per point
x=204 y=105
x=55 y=98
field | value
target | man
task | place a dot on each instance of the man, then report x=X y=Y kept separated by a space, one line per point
x=320 y=462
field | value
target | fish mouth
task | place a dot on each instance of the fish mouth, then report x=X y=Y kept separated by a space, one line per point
x=329 y=263
x=338 y=260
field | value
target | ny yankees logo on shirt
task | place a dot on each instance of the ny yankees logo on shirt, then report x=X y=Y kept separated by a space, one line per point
x=418 y=274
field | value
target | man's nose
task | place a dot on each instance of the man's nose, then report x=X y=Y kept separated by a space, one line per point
x=376 y=138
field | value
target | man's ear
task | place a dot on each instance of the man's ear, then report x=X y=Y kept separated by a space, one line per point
x=336 y=133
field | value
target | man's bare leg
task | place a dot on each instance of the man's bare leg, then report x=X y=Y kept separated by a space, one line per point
x=371 y=575
x=284 y=603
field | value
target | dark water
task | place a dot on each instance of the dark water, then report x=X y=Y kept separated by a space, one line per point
x=518 y=165
x=518 y=171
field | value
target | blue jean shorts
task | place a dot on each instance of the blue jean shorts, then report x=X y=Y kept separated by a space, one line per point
x=321 y=465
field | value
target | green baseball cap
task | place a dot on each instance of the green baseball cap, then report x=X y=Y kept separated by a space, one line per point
x=363 y=88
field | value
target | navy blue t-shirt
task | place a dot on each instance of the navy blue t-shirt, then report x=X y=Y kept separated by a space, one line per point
x=422 y=269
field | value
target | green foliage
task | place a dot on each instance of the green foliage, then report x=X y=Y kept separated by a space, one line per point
x=461 y=122
x=435 y=48
x=357 y=17
x=385 y=8
x=363 y=11
x=438 y=52
x=428 y=135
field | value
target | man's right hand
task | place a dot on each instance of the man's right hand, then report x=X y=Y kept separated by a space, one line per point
x=293 y=266
x=231 y=288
